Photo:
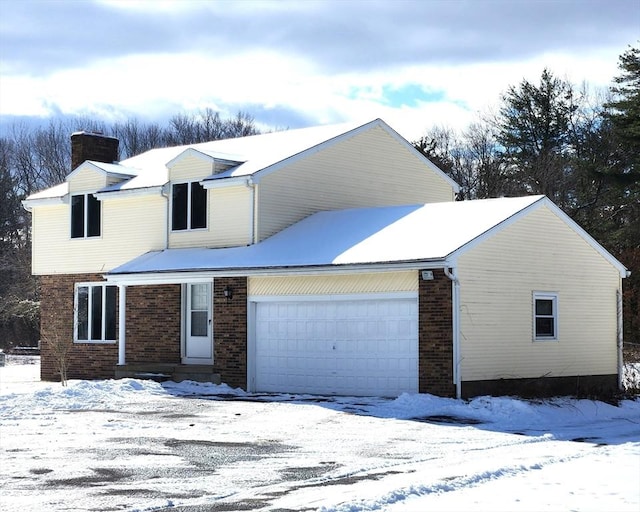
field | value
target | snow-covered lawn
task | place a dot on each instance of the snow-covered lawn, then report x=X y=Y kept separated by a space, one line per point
x=139 y=445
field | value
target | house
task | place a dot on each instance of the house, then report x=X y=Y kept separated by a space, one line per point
x=328 y=260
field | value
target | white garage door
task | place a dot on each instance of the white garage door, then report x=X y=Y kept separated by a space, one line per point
x=343 y=347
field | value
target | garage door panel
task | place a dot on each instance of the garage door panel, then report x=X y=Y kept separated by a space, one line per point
x=358 y=347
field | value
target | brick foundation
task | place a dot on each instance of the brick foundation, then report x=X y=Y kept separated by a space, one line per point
x=230 y=331
x=435 y=335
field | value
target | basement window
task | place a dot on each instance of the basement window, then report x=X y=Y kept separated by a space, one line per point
x=188 y=206
x=94 y=313
x=85 y=216
x=545 y=316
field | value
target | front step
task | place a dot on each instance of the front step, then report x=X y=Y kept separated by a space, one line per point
x=161 y=372
x=195 y=372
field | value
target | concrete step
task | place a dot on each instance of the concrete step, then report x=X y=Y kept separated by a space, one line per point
x=167 y=371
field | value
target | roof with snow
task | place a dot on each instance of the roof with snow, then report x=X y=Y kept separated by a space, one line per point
x=360 y=236
x=248 y=156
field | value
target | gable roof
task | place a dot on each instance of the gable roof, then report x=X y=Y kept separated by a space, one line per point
x=416 y=235
x=113 y=170
x=255 y=155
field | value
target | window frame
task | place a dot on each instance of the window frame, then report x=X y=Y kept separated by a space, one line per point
x=547 y=296
x=189 y=206
x=104 y=317
x=86 y=210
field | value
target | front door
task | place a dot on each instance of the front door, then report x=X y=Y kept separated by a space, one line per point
x=198 y=347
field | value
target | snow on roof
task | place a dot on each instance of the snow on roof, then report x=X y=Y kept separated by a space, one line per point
x=358 y=236
x=52 y=192
x=253 y=153
x=115 y=169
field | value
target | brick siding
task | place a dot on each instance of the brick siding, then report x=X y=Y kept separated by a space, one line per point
x=230 y=331
x=93 y=146
x=153 y=324
x=85 y=360
x=435 y=335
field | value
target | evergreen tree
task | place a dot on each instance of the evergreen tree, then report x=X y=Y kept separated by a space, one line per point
x=533 y=128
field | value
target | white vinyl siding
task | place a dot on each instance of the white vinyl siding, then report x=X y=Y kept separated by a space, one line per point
x=498 y=279
x=381 y=282
x=342 y=176
x=190 y=168
x=142 y=219
x=229 y=221
x=87 y=180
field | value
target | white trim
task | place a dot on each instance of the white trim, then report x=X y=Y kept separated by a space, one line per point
x=186 y=153
x=85 y=219
x=253 y=300
x=122 y=330
x=334 y=297
x=149 y=278
x=624 y=272
x=28 y=204
x=95 y=166
x=539 y=203
x=553 y=297
x=430 y=164
x=128 y=192
x=185 y=323
x=191 y=151
x=265 y=171
x=206 y=207
x=103 y=327
x=495 y=229
x=232 y=181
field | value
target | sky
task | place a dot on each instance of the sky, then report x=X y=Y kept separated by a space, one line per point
x=140 y=445
x=291 y=64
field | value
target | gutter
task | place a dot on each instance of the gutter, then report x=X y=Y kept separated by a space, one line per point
x=183 y=276
x=451 y=274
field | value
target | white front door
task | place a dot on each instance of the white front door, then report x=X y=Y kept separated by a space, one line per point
x=198 y=347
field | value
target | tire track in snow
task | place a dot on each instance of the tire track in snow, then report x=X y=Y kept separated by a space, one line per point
x=450 y=484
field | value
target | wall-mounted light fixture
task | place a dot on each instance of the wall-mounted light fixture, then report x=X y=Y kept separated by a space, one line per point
x=427 y=275
x=228 y=293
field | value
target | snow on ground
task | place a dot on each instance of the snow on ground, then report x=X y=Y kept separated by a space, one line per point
x=143 y=446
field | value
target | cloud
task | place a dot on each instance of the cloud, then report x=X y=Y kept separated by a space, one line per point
x=298 y=63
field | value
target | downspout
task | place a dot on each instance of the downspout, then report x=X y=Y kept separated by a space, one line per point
x=620 y=337
x=122 y=329
x=165 y=194
x=252 y=221
x=451 y=274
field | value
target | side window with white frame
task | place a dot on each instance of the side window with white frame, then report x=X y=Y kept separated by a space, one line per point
x=85 y=216
x=545 y=316
x=188 y=206
x=95 y=313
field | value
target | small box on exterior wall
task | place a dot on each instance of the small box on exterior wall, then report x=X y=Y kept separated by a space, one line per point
x=427 y=275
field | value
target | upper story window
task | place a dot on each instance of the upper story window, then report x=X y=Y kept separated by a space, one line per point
x=85 y=216
x=188 y=206
x=545 y=316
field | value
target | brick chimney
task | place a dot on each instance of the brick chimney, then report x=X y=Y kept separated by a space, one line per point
x=92 y=146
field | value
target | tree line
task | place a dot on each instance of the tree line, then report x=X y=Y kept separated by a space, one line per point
x=580 y=149
x=35 y=158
